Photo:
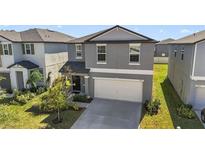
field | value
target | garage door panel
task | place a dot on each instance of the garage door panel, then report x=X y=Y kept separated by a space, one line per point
x=129 y=90
x=200 y=97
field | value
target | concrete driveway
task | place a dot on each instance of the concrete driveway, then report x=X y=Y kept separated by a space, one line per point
x=109 y=114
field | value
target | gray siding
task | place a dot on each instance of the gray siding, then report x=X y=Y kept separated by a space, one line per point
x=72 y=53
x=200 y=61
x=147 y=84
x=55 y=47
x=118 y=56
x=160 y=49
x=179 y=71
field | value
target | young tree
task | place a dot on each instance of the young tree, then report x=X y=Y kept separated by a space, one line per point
x=34 y=78
x=67 y=82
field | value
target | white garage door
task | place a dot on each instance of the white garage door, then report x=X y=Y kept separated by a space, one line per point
x=119 y=89
x=200 y=97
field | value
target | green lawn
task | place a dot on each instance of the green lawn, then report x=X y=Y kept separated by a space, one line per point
x=167 y=117
x=17 y=116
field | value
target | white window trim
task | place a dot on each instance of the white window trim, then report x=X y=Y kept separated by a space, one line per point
x=7 y=44
x=134 y=63
x=101 y=62
x=26 y=49
x=76 y=51
x=122 y=71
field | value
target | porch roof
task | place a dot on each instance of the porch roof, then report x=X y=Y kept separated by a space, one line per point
x=25 y=64
x=76 y=67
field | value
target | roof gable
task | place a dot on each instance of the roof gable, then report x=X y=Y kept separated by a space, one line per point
x=119 y=33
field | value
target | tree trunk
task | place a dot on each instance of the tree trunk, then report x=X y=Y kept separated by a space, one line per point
x=58 y=114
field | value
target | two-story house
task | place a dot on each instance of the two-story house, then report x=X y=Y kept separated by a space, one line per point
x=161 y=52
x=115 y=63
x=21 y=52
x=187 y=68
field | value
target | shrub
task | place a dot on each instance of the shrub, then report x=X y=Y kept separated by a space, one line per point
x=23 y=97
x=74 y=106
x=41 y=90
x=80 y=98
x=152 y=107
x=185 y=111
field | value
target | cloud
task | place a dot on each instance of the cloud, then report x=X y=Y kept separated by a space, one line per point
x=185 y=31
x=161 y=31
x=59 y=26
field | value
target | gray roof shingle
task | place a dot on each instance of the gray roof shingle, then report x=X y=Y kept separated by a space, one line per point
x=36 y=35
x=191 y=39
x=25 y=64
x=166 y=41
x=75 y=66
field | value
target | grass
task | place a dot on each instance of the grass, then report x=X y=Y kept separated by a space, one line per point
x=17 y=116
x=167 y=116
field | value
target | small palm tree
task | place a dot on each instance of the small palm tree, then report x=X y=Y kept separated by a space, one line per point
x=34 y=78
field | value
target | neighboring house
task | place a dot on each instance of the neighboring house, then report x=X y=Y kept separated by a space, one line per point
x=161 y=53
x=187 y=68
x=116 y=63
x=22 y=52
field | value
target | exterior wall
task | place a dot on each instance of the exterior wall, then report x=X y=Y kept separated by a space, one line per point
x=179 y=71
x=200 y=62
x=161 y=60
x=55 y=47
x=6 y=60
x=118 y=56
x=13 y=76
x=54 y=62
x=72 y=53
x=147 y=84
x=118 y=34
x=161 y=49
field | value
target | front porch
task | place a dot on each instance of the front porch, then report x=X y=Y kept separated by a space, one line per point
x=79 y=76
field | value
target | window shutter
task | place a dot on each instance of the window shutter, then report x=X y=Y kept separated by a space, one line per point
x=1 y=49
x=32 y=49
x=10 y=49
x=23 y=49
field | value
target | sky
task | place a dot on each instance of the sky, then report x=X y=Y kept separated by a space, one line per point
x=157 y=32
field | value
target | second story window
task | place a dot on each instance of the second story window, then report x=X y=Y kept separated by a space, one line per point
x=182 y=53
x=78 y=48
x=101 y=53
x=7 y=49
x=28 y=49
x=134 y=53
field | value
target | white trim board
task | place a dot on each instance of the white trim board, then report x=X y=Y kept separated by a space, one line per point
x=194 y=62
x=122 y=71
x=120 y=79
x=198 y=78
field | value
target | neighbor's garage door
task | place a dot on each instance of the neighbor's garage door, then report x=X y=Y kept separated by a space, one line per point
x=6 y=83
x=200 y=97
x=119 y=89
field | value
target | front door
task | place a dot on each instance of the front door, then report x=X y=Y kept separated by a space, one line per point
x=19 y=79
x=76 y=83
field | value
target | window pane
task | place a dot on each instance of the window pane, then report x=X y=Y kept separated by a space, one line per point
x=79 y=54
x=5 y=47
x=134 y=50
x=101 y=57
x=6 y=52
x=101 y=49
x=78 y=47
x=134 y=58
x=28 y=46
x=28 y=51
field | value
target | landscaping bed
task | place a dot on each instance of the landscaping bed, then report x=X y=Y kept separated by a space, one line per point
x=172 y=112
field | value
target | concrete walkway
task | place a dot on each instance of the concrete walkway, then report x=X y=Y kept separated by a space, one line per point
x=110 y=114
x=198 y=113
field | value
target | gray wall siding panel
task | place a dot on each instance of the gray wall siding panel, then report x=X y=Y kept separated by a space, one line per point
x=72 y=53
x=179 y=71
x=55 y=47
x=118 y=56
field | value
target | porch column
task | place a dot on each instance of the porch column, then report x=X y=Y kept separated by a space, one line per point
x=86 y=80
